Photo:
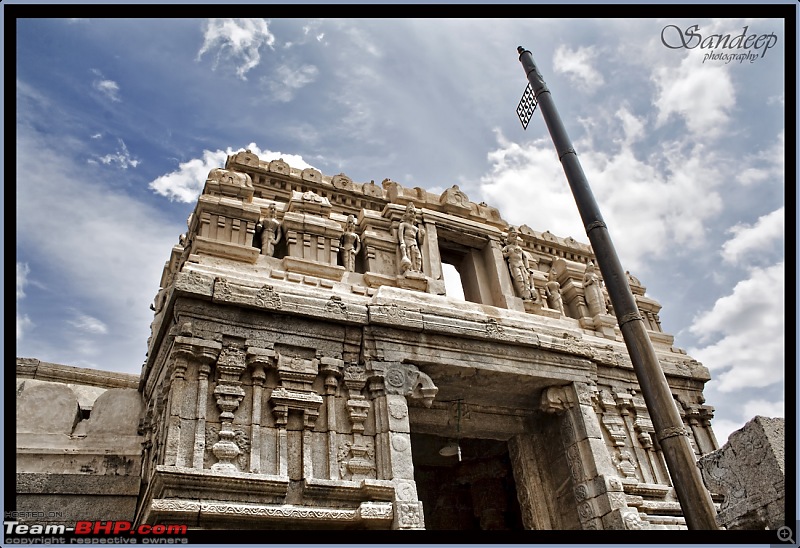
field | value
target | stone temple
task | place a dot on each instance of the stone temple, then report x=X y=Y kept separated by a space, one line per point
x=307 y=370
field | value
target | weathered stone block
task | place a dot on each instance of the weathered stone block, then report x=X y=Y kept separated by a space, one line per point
x=749 y=471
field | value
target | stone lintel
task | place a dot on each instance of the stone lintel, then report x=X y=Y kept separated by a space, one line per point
x=313 y=268
x=225 y=250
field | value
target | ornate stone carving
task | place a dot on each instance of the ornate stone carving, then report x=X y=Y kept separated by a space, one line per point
x=269 y=228
x=454 y=198
x=519 y=266
x=554 y=400
x=408 y=515
x=615 y=426
x=553 y=292
x=279 y=166
x=240 y=439
x=229 y=393
x=410 y=237
x=350 y=244
x=335 y=306
x=493 y=329
x=408 y=380
x=267 y=297
x=593 y=291
x=342 y=182
x=297 y=375
x=626 y=464
x=357 y=460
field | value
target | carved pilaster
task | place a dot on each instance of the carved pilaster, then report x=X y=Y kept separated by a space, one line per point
x=181 y=354
x=187 y=353
x=331 y=370
x=258 y=361
x=586 y=453
x=229 y=393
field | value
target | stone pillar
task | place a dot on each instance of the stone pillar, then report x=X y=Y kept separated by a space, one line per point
x=188 y=353
x=258 y=360
x=500 y=287
x=182 y=352
x=200 y=428
x=523 y=452
x=597 y=488
x=431 y=260
x=393 y=437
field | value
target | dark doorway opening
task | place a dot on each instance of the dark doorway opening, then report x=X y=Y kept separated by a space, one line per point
x=475 y=493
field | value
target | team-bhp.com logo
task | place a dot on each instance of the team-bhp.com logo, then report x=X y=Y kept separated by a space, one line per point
x=86 y=532
x=722 y=47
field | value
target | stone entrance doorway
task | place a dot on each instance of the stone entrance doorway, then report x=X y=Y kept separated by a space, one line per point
x=477 y=493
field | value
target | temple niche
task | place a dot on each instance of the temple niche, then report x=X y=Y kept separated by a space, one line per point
x=307 y=369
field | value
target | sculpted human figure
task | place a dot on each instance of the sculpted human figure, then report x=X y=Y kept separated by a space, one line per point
x=410 y=236
x=350 y=244
x=593 y=292
x=518 y=265
x=553 y=291
x=270 y=229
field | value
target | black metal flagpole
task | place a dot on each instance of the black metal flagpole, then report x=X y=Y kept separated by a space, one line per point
x=695 y=500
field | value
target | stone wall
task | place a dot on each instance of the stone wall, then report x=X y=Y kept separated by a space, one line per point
x=78 y=447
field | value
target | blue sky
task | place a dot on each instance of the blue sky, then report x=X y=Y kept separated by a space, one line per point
x=119 y=121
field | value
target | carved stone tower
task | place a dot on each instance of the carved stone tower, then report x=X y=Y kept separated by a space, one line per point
x=306 y=368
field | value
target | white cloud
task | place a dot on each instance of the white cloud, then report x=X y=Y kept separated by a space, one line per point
x=22 y=278
x=99 y=249
x=650 y=211
x=109 y=88
x=751 y=238
x=121 y=158
x=578 y=65
x=764 y=408
x=749 y=326
x=89 y=324
x=237 y=40
x=703 y=95
x=187 y=182
x=745 y=412
x=23 y=321
x=288 y=80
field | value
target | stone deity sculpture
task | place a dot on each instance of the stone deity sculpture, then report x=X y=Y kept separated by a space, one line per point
x=593 y=291
x=350 y=244
x=518 y=266
x=553 y=291
x=410 y=236
x=270 y=229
